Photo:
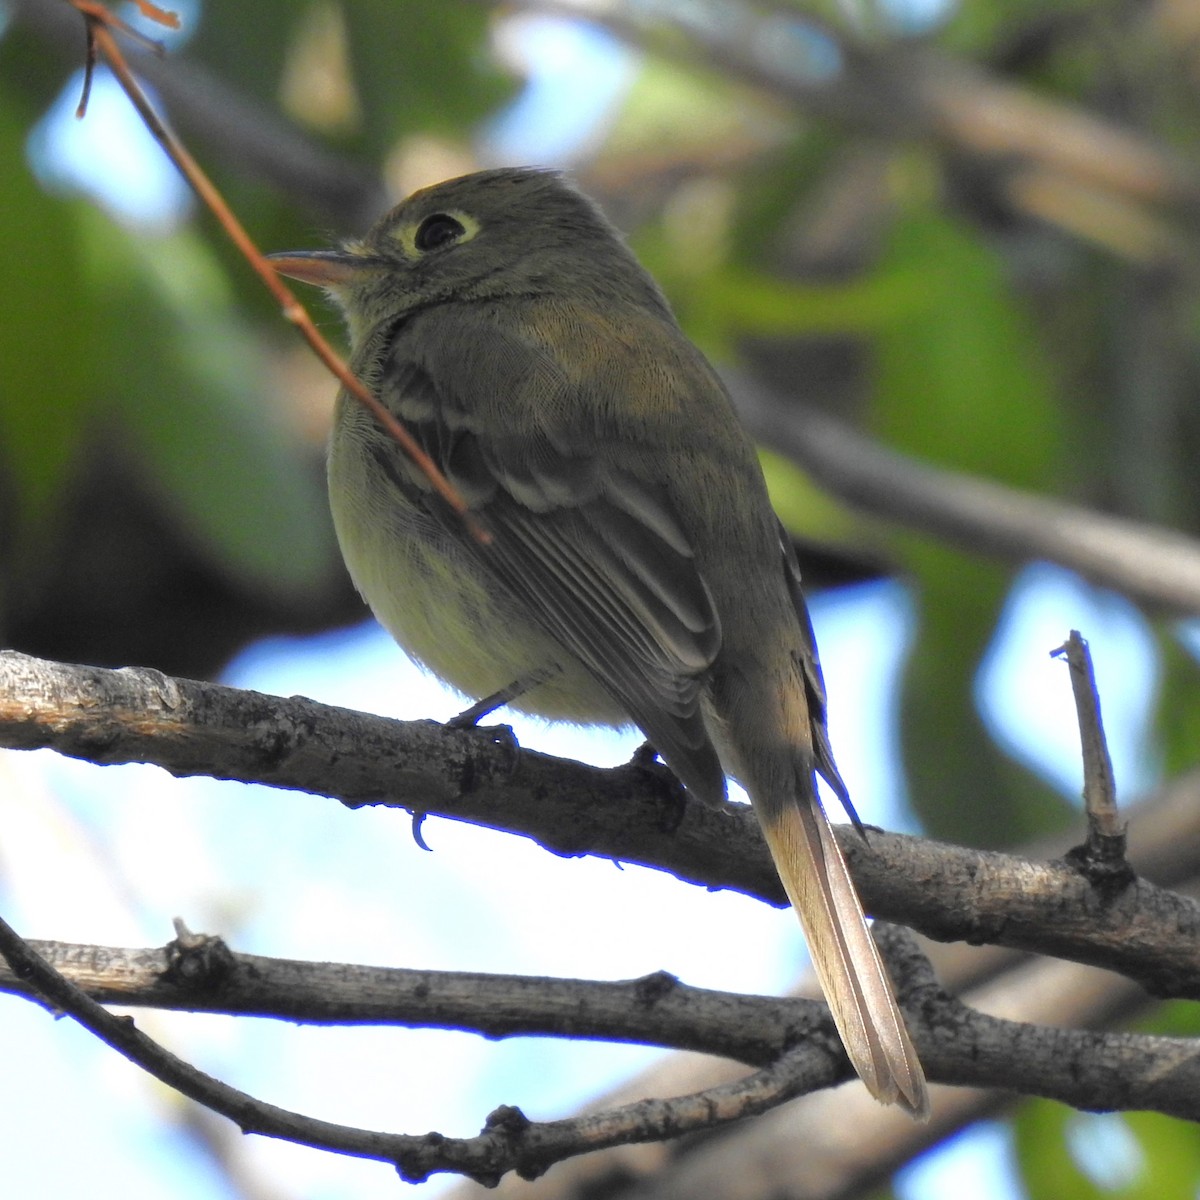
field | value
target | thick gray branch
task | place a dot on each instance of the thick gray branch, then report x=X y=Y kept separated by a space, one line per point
x=630 y=813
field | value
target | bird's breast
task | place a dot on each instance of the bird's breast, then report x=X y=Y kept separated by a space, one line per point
x=433 y=594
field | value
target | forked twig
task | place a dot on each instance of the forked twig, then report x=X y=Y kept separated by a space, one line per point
x=509 y=1141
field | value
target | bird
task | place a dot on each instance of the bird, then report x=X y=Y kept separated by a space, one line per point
x=633 y=569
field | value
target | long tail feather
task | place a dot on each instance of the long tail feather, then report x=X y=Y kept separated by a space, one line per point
x=852 y=975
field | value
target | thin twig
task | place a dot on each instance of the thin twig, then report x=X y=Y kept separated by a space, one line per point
x=160 y=16
x=123 y=1036
x=252 y=138
x=99 y=21
x=202 y=974
x=508 y=1141
x=1099 y=787
x=1104 y=851
x=111 y=19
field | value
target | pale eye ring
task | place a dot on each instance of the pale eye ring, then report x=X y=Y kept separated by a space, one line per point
x=437 y=230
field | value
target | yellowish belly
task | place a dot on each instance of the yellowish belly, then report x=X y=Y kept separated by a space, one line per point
x=435 y=601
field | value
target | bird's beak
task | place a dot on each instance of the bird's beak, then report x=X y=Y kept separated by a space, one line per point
x=326 y=268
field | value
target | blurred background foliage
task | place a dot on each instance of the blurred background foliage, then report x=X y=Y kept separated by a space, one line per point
x=906 y=215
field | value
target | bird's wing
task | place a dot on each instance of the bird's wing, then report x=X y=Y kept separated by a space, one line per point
x=593 y=550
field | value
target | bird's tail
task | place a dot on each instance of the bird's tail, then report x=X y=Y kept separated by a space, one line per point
x=847 y=962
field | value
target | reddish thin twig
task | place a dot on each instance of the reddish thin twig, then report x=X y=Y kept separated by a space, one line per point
x=95 y=16
x=161 y=16
x=100 y=23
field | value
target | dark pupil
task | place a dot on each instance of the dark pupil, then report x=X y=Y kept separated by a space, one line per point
x=437 y=231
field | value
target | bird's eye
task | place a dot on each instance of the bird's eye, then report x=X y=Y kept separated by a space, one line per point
x=436 y=231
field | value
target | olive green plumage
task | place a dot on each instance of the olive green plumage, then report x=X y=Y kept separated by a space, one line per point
x=634 y=554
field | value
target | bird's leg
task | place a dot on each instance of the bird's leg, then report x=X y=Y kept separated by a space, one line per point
x=470 y=717
x=672 y=799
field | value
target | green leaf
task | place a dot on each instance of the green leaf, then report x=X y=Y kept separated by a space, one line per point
x=721 y=305
x=1170 y=1157
x=422 y=66
x=47 y=342
x=1068 y=1155
x=802 y=506
x=961 y=380
x=1177 y=704
x=188 y=383
x=962 y=787
x=246 y=43
x=1047 y=1168
x=1173 y=1018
